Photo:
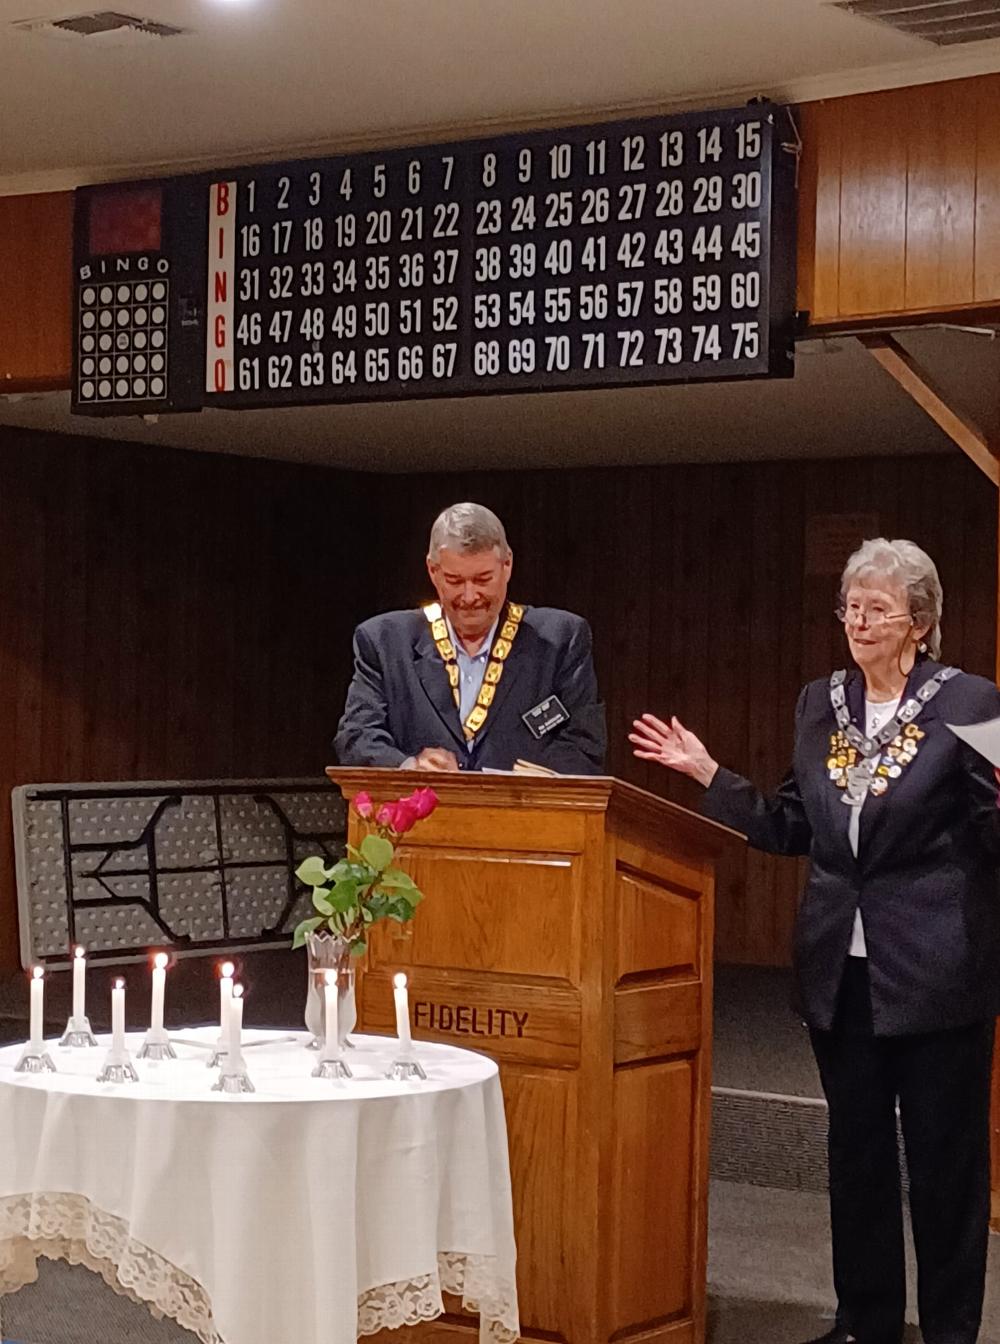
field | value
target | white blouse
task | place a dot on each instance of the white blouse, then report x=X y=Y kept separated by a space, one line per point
x=876 y=717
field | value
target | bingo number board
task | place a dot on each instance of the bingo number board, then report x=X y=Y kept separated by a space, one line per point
x=136 y=311
x=647 y=251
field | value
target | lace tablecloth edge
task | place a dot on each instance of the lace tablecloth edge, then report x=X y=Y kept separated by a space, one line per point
x=62 y=1226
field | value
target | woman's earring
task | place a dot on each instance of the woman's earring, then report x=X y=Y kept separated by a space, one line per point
x=922 y=646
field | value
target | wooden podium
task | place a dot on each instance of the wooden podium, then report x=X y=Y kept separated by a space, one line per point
x=567 y=933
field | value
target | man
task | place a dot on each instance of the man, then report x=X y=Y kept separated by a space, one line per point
x=473 y=681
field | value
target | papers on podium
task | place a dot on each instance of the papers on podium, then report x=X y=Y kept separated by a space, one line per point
x=984 y=737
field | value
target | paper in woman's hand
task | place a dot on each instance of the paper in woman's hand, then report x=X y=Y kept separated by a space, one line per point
x=984 y=737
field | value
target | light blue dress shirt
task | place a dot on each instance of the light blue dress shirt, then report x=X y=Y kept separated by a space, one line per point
x=471 y=671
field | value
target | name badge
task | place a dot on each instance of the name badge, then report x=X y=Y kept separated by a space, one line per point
x=545 y=716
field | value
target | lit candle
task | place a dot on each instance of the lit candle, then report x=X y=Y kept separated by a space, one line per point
x=234 y=1062
x=331 y=1024
x=79 y=984
x=118 y=1016
x=37 y=1044
x=159 y=985
x=401 y=998
x=225 y=995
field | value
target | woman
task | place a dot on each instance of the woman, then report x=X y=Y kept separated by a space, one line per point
x=897 y=953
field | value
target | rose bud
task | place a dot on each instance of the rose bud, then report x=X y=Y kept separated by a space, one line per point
x=406 y=816
x=424 y=801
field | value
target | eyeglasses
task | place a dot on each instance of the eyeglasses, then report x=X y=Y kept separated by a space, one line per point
x=874 y=618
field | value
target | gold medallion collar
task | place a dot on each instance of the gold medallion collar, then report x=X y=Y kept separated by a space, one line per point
x=499 y=653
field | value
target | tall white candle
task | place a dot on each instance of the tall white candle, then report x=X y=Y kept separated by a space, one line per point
x=235 y=1054
x=79 y=983
x=331 y=1021
x=159 y=985
x=37 y=1010
x=225 y=996
x=402 y=1001
x=118 y=1015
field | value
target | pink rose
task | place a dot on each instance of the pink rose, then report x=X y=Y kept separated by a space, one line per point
x=424 y=802
x=386 y=815
x=405 y=815
x=363 y=805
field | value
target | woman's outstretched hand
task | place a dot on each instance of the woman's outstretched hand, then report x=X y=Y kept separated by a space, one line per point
x=672 y=745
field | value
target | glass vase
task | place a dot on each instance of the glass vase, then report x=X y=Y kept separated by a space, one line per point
x=325 y=953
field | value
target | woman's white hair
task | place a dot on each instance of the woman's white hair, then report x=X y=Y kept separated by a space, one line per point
x=901 y=562
x=467 y=528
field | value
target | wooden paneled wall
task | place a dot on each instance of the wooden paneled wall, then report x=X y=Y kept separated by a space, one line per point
x=36 y=291
x=694 y=580
x=166 y=615
x=900 y=201
x=172 y=615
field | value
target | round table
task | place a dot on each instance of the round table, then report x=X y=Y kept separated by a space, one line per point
x=309 y=1210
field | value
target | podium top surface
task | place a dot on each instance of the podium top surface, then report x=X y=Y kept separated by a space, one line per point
x=588 y=793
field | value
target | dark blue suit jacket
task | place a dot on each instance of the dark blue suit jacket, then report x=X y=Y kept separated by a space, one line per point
x=399 y=700
x=925 y=877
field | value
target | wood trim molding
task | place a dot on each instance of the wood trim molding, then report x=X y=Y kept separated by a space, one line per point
x=901 y=365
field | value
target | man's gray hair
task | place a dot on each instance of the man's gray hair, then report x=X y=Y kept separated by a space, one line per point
x=902 y=562
x=467 y=528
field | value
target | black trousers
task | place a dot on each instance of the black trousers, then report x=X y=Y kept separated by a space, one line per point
x=942 y=1081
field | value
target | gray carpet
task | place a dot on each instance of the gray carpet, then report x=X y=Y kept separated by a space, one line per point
x=763 y=1139
x=70 y=1305
x=760 y=1044
x=769 y=1267
x=747 y=1321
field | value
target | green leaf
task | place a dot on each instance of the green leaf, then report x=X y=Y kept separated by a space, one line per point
x=359 y=948
x=312 y=871
x=344 y=894
x=396 y=879
x=354 y=854
x=340 y=923
x=400 y=910
x=321 y=901
x=361 y=873
x=303 y=930
x=377 y=851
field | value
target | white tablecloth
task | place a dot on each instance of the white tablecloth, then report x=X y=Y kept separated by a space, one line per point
x=310 y=1211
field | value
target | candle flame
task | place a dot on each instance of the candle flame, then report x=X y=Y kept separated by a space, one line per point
x=79 y=952
x=237 y=991
x=37 y=972
x=160 y=961
x=119 y=983
x=227 y=969
x=330 y=977
x=399 y=980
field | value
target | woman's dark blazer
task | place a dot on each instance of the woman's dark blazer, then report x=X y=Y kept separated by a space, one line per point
x=926 y=873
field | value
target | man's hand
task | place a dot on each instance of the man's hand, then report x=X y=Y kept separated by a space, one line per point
x=436 y=758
